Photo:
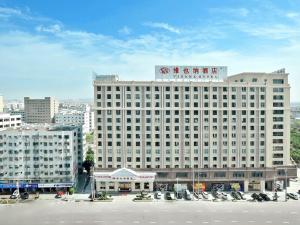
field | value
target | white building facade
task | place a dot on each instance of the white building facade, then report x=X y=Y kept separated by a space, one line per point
x=7 y=120
x=40 y=155
x=234 y=129
x=74 y=117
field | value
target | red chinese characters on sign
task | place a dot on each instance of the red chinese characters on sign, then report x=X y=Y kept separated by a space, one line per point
x=164 y=70
x=186 y=70
x=195 y=70
x=176 y=70
x=205 y=70
x=190 y=72
x=214 y=70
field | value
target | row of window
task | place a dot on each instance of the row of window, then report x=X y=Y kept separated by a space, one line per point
x=176 y=88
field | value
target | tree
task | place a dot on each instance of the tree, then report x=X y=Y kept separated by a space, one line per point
x=89 y=160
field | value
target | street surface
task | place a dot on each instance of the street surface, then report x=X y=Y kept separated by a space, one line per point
x=123 y=211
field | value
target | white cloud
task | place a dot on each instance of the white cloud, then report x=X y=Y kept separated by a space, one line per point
x=292 y=15
x=164 y=26
x=51 y=29
x=125 y=30
x=7 y=12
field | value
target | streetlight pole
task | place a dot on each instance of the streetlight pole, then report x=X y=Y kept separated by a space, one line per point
x=198 y=183
x=285 y=184
x=193 y=180
x=177 y=188
x=92 y=184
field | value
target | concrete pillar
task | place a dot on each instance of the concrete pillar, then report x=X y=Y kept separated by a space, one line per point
x=116 y=186
x=150 y=186
x=106 y=186
x=97 y=185
x=246 y=183
x=262 y=185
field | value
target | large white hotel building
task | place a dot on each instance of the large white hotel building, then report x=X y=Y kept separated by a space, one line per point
x=196 y=121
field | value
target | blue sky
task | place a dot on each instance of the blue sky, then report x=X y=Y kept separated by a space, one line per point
x=52 y=48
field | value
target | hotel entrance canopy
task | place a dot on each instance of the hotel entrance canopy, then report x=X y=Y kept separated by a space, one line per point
x=124 y=179
x=124 y=175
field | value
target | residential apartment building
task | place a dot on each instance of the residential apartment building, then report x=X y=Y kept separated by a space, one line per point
x=82 y=107
x=40 y=110
x=74 y=117
x=40 y=155
x=19 y=113
x=7 y=121
x=217 y=130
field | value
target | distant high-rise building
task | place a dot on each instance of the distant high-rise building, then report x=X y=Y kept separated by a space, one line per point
x=40 y=110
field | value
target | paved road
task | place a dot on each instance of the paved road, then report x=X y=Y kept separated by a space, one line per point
x=121 y=211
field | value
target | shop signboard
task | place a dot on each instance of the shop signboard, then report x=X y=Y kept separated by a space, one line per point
x=199 y=186
x=21 y=185
x=191 y=73
x=218 y=186
x=55 y=185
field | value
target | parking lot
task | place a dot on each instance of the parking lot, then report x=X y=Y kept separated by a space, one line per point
x=124 y=211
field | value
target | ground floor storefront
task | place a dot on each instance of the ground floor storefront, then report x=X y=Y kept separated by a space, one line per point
x=124 y=180
x=25 y=186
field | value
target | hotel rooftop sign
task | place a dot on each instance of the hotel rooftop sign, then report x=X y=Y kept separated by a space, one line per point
x=205 y=73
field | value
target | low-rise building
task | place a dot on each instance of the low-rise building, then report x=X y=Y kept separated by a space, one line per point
x=7 y=120
x=40 y=155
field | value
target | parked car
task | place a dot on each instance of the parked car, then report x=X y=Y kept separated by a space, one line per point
x=265 y=197
x=204 y=194
x=292 y=196
x=157 y=195
x=224 y=196
x=59 y=194
x=15 y=195
x=235 y=195
x=24 y=195
x=178 y=195
x=168 y=196
x=216 y=194
x=256 y=197
x=187 y=195
x=241 y=194
x=196 y=195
